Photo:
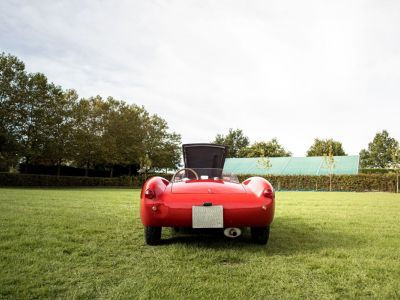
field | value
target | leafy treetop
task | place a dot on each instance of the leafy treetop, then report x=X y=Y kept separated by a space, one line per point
x=235 y=140
x=322 y=147
x=380 y=152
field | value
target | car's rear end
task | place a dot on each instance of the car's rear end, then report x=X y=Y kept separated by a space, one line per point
x=201 y=195
x=208 y=204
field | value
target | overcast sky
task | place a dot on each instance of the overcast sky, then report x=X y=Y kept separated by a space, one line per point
x=294 y=70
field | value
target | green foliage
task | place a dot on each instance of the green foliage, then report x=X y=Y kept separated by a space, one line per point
x=235 y=140
x=145 y=163
x=59 y=127
x=13 y=82
x=396 y=158
x=264 y=163
x=396 y=165
x=90 y=145
x=376 y=171
x=322 y=147
x=350 y=183
x=32 y=180
x=40 y=123
x=270 y=148
x=329 y=163
x=88 y=244
x=162 y=147
x=380 y=151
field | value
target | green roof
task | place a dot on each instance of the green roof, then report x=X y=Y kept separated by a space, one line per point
x=314 y=165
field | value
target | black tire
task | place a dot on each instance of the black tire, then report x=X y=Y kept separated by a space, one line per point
x=260 y=235
x=152 y=235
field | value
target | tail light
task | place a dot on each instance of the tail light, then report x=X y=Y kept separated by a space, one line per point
x=269 y=193
x=149 y=194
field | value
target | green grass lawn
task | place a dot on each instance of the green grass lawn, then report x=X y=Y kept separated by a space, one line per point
x=86 y=243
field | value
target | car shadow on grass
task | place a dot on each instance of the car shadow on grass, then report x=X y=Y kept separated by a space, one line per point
x=288 y=235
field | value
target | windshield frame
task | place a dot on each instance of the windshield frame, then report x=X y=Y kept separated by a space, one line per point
x=203 y=174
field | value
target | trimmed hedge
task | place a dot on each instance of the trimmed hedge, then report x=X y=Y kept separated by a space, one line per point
x=350 y=183
x=353 y=183
x=377 y=171
x=34 y=180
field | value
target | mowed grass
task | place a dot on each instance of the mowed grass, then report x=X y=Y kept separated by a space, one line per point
x=87 y=243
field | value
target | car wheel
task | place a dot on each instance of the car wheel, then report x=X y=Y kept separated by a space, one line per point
x=152 y=235
x=260 y=235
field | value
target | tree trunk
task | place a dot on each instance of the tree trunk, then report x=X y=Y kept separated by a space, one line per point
x=330 y=183
x=397 y=184
x=58 y=169
x=130 y=170
x=87 y=170
x=112 y=171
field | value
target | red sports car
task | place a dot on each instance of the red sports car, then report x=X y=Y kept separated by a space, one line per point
x=201 y=195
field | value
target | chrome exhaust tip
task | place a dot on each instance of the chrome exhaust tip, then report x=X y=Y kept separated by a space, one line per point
x=232 y=232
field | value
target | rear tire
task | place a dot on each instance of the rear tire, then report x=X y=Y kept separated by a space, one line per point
x=260 y=235
x=152 y=235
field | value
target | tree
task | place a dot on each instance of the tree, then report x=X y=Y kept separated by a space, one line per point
x=43 y=124
x=59 y=126
x=396 y=164
x=379 y=152
x=35 y=111
x=235 y=140
x=264 y=163
x=34 y=115
x=8 y=151
x=270 y=148
x=13 y=92
x=329 y=163
x=161 y=146
x=145 y=164
x=168 y=154
x=121 y=141
x=132 y=135
x=321 y=147
x=88 y=129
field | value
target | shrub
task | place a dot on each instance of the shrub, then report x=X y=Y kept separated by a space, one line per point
x=352 y=183
x=31 y=180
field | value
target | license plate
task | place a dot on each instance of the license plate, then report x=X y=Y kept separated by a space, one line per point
x=208 y=216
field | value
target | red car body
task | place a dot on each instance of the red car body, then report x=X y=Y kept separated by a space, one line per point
x=170 y=204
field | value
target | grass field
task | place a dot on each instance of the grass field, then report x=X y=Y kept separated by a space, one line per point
x=86 y=243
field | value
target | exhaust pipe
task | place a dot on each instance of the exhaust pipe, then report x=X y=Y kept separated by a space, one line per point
x=232 y=232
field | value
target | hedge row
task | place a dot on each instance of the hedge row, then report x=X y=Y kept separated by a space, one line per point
x=350 y=183
x=33 y=180
x=376 y=171
x=356 y=183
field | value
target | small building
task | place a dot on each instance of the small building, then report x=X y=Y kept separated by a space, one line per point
x=314 y=165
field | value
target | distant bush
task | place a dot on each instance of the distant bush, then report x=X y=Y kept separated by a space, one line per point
x=352 y=183
x=376 y=171
x=34 y=180
x=31 y=180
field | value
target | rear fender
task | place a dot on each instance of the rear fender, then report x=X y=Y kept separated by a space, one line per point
x=257 y=185
x=157 y=184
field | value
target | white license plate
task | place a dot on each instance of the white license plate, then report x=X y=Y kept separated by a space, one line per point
x=208 y=216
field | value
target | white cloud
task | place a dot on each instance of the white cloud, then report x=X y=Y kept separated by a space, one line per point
x=287 y=69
